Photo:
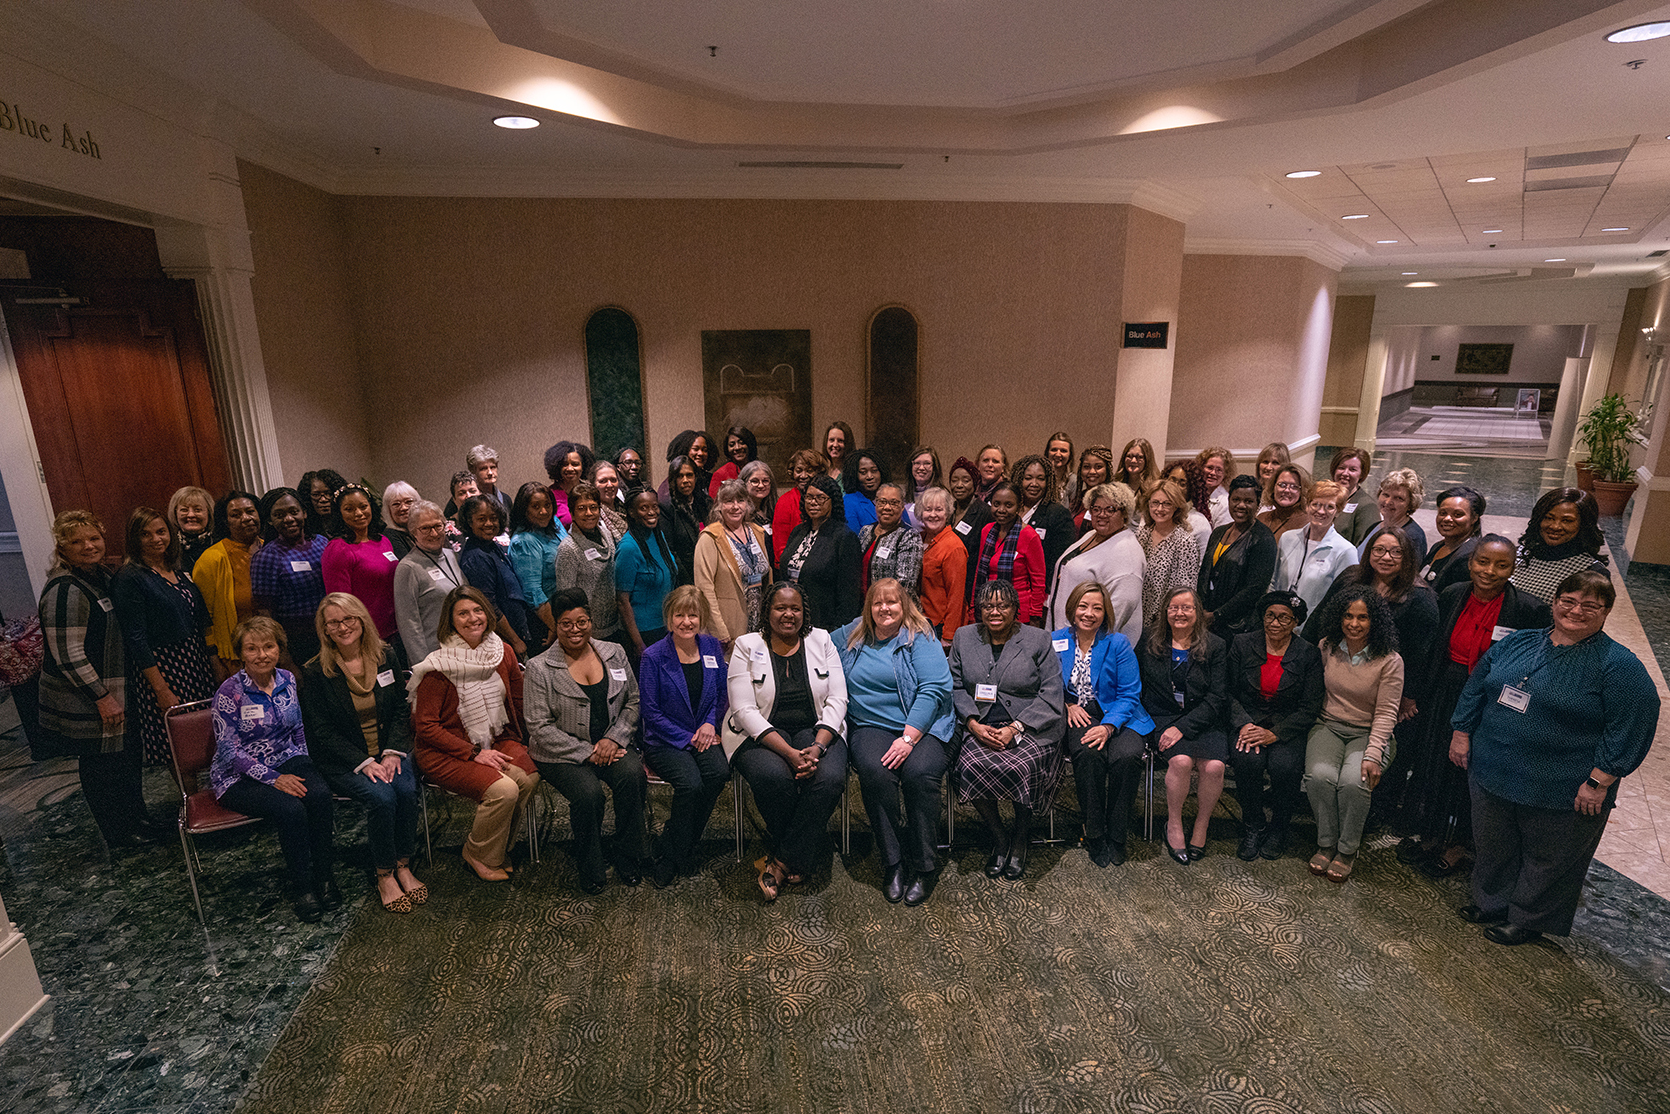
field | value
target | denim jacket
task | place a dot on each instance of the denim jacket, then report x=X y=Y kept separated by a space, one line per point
x=918 y=664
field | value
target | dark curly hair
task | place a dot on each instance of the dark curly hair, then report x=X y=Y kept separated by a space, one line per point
x=339 y=528
x=556 y=454
x=466 y=514
x=837 y=508
x=1052 y=482
x=1382 y=631
x=771 y=593
x=1588 y=521
x=1194 y=483
x=223 y=529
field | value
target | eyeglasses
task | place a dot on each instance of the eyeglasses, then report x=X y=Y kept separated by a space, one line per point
x=1393 y=551
x=573 y=624
x=1582 y=607
x=1287 y=487
x=341 y=624
x=1280 y=620
x=431 y=528
x=1104 y=510
x=890 y=502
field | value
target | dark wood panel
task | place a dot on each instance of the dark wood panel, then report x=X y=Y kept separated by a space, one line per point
x=761 y=379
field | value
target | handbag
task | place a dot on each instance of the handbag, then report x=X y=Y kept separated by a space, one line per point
x=22 y=648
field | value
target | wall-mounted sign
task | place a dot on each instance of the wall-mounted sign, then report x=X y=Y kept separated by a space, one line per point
x=12 y=119
x=1150 y=334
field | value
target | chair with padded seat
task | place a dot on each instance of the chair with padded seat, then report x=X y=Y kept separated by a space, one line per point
x=191 y=749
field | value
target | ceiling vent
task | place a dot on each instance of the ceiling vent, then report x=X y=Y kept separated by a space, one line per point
x=826 y=165
x=1589 y=182
x=1659 y=254
x=1576 y=158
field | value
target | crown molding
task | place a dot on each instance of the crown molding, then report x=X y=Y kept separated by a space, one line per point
x=1314 y=250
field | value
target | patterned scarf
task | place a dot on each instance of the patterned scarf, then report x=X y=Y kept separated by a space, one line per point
x=1004 y=551
x=475 y=674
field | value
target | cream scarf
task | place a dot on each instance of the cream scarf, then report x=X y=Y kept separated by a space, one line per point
x=475 y=674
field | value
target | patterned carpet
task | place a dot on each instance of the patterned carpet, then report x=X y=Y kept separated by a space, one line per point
x=1221 y=987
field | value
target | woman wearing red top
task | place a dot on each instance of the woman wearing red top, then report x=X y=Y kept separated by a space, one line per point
x=1011 y=550
x=360 y=560
x=1435 y=807
x=741 y=448
x=944 y=564
x=803 y=465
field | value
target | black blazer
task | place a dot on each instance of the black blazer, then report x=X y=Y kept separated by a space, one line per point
x=1205 y=691
x=830 y=577
x=153 y=614
x=1520 y=610
x=1231 y=588
x=1445 y=571
x=1298 y=700
x=1055 y=523
x=334 y=739
x=1415 y=617
x=978 y=517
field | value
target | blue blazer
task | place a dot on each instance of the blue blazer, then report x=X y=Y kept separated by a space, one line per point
x=664 y=698
x=1113 y=665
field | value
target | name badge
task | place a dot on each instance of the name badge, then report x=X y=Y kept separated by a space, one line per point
x=1039 y=530
x=1058 y=644
x=437 y=575
x=767 y=529
x=301 y=566
x=391 y=558
x=1515 y=698
x=883 y=552
x=1499 y=632
x=709 y=662
x=985 y=692
x=591 y=555
x=105 y=604
x=963 y=528
x=251 y=713
x=385 y=678
x=760 y=653
x=1178 y=697
x=1348 y=508
x=618 y=674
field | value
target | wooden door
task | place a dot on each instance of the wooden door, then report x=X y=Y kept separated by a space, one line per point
x=119 y=396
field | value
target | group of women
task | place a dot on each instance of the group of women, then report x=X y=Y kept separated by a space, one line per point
x=989 y=623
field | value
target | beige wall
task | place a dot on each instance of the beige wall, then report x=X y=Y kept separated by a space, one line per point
x=1252 y=352
x=305 y=313
x=1151 y=291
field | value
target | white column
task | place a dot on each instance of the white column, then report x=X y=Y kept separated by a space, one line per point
x=1374 y=381
x=20 y=985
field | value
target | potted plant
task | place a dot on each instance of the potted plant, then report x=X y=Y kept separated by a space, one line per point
x=1607 y=430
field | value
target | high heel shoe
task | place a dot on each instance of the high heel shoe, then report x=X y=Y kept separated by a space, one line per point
x=1178 y=854
x=999 y=859
x=1015 y=868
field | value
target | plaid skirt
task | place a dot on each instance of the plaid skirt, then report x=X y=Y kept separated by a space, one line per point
x=1027 y=773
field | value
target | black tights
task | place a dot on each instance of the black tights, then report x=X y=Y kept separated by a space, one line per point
x=1022 y=830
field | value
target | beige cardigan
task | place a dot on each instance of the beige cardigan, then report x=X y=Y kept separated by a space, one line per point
x=720 y=580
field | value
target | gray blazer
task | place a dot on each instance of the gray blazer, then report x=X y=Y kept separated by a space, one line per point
x=1027 y=675
x=421 y=584
x=558 y=713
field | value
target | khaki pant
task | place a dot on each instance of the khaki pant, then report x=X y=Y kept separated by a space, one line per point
x=496 y=812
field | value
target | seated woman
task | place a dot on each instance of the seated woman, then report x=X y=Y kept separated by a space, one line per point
x=1562 y=537
x=1108 y=555
x=261 y=767
x=1308 y=559
x=788 y=700
x=1275 y=695
x=222 y=573
x=1010 y=702
x=359 y=735
x=467 y=717
x=1237 y=564
x=1010 y=551
x=1351 y=744
x=889 y=548
x=487 y=567
x=645 y=571
x=681 y=691
x=822 y=557
x=1184 y=687
x=732 y=566
x=1107 y=727
x=898 y=720
x=944 y=565
x=582 y=715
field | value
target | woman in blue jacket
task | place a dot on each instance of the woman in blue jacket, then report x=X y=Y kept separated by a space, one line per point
x=681 y=690
x=1107 y=727
x=898 y=722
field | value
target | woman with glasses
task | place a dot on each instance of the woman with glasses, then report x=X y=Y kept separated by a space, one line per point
x=822 y=557
x=422 y=580
x=1284 y=500
x=889 y=548
x=1308 y=559
x=1109 y=556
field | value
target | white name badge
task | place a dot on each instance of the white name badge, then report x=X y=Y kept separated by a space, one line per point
x=592 y=554
x=963 y=528
x=1515 y=698
x=437 y=575
x=759 y=653
x=1039 y=530
x=105 y=604
x=391 y=558
x=301 y=566
x=985 y=692
x=385 y=678
x=884 y=552
x=1348 y=508
x=767 y=529
x=1499 y=632
x=250 y=713
x=1058 y=644
x=618 y=674
x=709 y=662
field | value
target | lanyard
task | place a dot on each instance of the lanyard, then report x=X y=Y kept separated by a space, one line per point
x=440 y=566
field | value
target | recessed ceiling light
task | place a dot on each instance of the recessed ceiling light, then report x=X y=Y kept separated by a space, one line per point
x=1641 y=32
x=1411 y=272
x=1385 y=241
x=1615 y=230
x=1305 y=174
x=516 y=122
x=1413 y=284
x=1562 y=259
x=1476 y=180
x=1488 y=231
x=1355 y=216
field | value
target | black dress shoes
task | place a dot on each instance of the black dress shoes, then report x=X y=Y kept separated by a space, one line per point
x=629 y=875
x=330 y=896
x=893 y=883
x=593 y=885
x=1113 y=851
x=665 y=872
x=308 y=910
x=1274 y=843
x=1180 y=854
x=1014 y=869
x=1196 y=852
x=1248 y=851
x=921 y=887
x=1000 y=858
x=1511 y=934
x=1472 y=914
x=1101 y=851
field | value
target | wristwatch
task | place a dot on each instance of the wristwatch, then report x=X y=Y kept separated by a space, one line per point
x=1592 y=783
x=1020 y=728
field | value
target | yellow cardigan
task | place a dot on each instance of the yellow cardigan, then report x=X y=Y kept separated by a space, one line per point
x=213 y=575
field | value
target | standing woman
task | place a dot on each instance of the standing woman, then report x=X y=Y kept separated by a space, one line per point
x=1058 y=450
x=191 y=510
x=467 y=719
x=286 y=577
x=1171 y=555
x=398 y=498
x=1217 y=467
x=319 y=490
x=899 y=720
x=1110 y=557
x=1010 y=551
x=804 y=465
x=863 y=474
x=1309 y=560
x=645 y=572
x=1399 y=497
x=821 y=556
x=921 y=473
x=566 y=464
x=586 y=560
x=359 y=735
x=1358 y=515
x=788 y=700
x=222 y=572
x=1275 y=694
x=83 y=692
x=741 y=449
x=1107 y=727
x=944 y=592
x=1095 y=469
x=1138 y=466
x=535 y=535
x=684 y=513
x=1284 y=495
x=422 y=580
x=1351 y=744
x=1460 y=511
x=1544 y=760
x=1187 y=475
x=359 y=560
x=969 y=513
x=630 y=464
x=261 y=766
x=164 y=621
x=1035 y=479
x=889 y=548
x=991 y=468
x=487 y=567
x=463 y=486
x=732 y=567
x=1011 y=706
x=704 y=453
x=607 y=479
x=582 y=716
x=681 y=689
x=837 y=443
x=1238 y=565
x=761 y=487
x=1562 y=537
x=1270 y=458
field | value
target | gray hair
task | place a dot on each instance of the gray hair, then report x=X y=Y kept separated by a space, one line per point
x=731 y=489
x=396 y=489
x=939 y=495
x=425 y=506
x=480 y=455
x=1119 y=494
x=753 y=468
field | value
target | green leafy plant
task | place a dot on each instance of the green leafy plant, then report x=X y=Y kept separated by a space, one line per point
x=1607 y=429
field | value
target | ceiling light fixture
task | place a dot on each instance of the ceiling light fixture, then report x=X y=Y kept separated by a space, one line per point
x=1475 y=181
x=1411 y=272
x=1560 y=260
x=516 y=123
x=1355 y=216
x=1419 y=284
x=1488 y=231
x=1640 y=33
x=1305 y=174
x=1385 y=241
x=1615 y=230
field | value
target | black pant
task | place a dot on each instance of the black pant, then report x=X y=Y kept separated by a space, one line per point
x=1106 y=778
x=582 y=783
x=796 y=811
x=1530 y=862
x=918 y=779
x=1285 y=763
x=111 y=783
x=304 y=823
x=696 y=776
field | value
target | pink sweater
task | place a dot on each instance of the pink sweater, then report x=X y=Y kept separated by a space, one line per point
x=366 y=570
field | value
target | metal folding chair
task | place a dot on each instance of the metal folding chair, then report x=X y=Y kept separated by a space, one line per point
x=191 y=750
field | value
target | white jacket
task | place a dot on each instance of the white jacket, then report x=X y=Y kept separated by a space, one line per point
x=752 y=686
x=1311 y=573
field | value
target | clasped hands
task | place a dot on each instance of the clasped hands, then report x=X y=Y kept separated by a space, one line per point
x=998 y=738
